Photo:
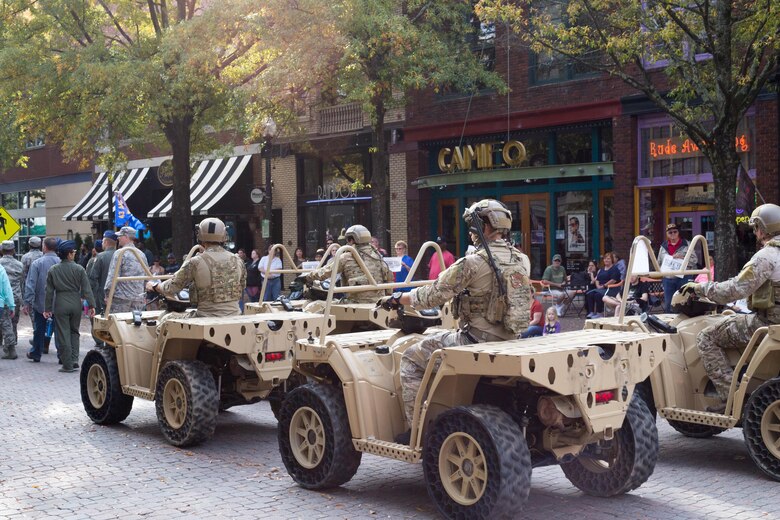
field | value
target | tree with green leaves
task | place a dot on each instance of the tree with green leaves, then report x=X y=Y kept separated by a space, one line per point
x=395 y=47
x=703 y=63
x=100 y=78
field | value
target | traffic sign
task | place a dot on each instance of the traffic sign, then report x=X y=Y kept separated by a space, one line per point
x=8 y=226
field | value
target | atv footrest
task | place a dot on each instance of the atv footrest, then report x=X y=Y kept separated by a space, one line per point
x=698 y=417
x=387 y=449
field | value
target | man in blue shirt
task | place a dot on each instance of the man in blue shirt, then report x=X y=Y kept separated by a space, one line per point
x=35 y=294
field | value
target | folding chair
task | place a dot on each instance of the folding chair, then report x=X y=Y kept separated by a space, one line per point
x=655 y=290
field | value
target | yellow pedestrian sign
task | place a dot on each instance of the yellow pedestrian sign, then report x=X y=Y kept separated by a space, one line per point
x=8 y=226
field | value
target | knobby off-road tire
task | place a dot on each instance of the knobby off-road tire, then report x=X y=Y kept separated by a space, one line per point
x=314 y=437
x=477 y=464
x=618 y=466
x=644 y=391
x=101 y=391
x=696 y=431
x=187 y=402
x=278 y=394
x=761 y=427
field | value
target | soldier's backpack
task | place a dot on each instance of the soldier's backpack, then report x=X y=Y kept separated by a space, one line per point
x=512 y=309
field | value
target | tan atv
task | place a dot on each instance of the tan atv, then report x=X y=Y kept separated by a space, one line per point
x=190 y=367
x=482 y=420
x=680 y=389
x=349 y=316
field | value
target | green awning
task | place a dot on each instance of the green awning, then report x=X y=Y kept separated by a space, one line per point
x=557 y=171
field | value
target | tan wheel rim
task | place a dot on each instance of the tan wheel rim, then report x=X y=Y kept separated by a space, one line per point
x=175 y=403
x=307 y=437
x=770 y=428
x=97 y=386
x=462 y=468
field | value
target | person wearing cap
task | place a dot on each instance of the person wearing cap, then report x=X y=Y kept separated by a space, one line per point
x=99 y=273
x=172 y=265
x=35 y=295
x=319 y=254
x=554 y=278
x=66 y=285
x=216 y=277
x=129 y=294
x=434 y=264
x=8 y=322
x=676 y=247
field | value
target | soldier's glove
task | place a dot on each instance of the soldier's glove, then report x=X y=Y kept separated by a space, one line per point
x=689 y=288
x=390 y=302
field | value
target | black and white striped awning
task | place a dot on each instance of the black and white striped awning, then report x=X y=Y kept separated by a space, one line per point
x=208 y=185
x=94 y=205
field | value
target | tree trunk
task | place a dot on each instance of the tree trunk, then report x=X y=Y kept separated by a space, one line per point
x=178 y=133
x=380 y=169
x=725 y=163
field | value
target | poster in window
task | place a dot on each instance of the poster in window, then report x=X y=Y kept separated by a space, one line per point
x=577 y=236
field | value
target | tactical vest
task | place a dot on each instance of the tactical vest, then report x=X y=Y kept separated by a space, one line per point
x=763 y=300
x=512 y=310
x=218 y=279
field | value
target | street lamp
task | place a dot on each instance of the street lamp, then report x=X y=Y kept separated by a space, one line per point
x=269 y=132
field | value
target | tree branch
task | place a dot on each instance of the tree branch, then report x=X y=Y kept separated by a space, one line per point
x=116 y=22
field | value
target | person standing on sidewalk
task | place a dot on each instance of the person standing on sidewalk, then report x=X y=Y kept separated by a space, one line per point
x=69 y=283
x=99 y=272
x=35 y=294
x=7 y=306
x=8 y=323
x=129 y=295
x=27 y=259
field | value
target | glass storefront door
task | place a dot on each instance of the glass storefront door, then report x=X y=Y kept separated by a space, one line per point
x=530 y=217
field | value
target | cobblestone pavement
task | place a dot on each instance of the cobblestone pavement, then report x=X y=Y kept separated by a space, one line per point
x=55 y=463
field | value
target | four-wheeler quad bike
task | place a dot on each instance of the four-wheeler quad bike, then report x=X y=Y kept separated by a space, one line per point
x=485 y=415
x=190 y=367
x=680 y=389
x=349 y=316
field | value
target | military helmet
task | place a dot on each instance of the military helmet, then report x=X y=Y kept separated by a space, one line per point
x=767 y=218
x=212 y=230
x=491 y=211
x=359 y=234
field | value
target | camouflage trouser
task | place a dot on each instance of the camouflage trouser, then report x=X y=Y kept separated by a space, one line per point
x=415 y=361
x=8 y=327
x=733 y=332
x=122 y=305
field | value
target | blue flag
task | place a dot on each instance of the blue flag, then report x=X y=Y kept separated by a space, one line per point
x=122 y=215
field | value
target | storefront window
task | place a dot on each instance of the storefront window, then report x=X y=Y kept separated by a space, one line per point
x=651 y=213
x=309 y=174
x=667 y=152
x=574 y=226
x=574 y=147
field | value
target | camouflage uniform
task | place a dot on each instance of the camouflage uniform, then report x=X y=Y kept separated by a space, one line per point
x=735 y=331
x=7 y=306
x=216 y=278
x=471 y=275
x=128 y=295
x=352 y=274
x=14 y=269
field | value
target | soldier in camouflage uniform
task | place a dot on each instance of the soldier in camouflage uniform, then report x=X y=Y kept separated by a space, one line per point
x=14 y=269
x=216 y=277
x=474 y=285
x=129 y=294
x=7 y=305
x=759 y=281
x=351 y=273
